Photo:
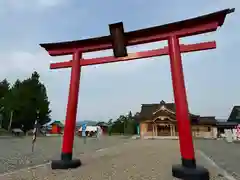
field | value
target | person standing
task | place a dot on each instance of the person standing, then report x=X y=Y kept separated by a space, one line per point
x=84 y=127
x=98 y=132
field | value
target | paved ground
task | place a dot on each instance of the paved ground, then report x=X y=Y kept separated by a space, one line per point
x=17 y=153
x=226 y=155
x=122 y=160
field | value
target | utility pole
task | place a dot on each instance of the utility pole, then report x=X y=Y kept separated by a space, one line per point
x=1 y=121
x=35 y=130
x=10 y=122
x=1 y=116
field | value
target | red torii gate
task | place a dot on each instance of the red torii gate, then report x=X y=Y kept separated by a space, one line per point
x=118 y=40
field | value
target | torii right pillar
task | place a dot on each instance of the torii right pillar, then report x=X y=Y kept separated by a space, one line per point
x=188 y=170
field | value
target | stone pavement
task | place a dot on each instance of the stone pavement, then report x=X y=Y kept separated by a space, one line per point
x=135 y=160
x=16 y=153
x=226 y=155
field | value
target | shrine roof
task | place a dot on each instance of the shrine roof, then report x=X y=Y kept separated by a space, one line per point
x=165 y=113
x=137 y=36
x=227 y=124
x=206 y=120
x=147 y=110
x=234 y=115
x=59 y=123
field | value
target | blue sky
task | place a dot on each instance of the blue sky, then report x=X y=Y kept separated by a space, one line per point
x=106 y=91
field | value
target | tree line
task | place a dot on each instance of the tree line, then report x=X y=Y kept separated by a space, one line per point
x=22 y=102
x=124 y=124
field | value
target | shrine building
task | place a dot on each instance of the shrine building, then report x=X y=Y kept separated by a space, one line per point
x=160 y=120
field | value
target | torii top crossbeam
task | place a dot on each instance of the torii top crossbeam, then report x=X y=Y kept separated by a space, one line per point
x=193 y=26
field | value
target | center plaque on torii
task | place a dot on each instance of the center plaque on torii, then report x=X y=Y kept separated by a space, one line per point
x=118 y=40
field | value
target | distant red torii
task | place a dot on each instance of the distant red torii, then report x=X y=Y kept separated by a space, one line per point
x=118 y=40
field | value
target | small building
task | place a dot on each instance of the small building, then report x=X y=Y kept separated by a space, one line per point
x=231 y=123
x=17 y=132
x=160 y=120
x=222 y=126
x=56 y=127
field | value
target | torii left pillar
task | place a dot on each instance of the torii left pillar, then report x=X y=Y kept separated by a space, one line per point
x=66 y=161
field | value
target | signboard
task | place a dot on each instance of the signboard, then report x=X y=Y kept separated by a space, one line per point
x=84 y=127
x=138 y=129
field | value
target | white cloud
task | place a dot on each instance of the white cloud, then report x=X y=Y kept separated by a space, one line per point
x=14 y=5
x=20 y=65
x=50 y=3
x=22 y=62
x=25 y=62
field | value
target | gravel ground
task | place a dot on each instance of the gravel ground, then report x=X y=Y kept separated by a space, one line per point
x=16 y=153
x=226 y=155
x=133 y=159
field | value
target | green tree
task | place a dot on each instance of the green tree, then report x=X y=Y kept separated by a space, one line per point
x=125 y=124
x=24 y=100
x=131 y=124
x=4 y=91
x=118 y=125
x=110 y=123
x=4 y=87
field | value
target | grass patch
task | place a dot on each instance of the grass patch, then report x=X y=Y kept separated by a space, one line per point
x=4 y=132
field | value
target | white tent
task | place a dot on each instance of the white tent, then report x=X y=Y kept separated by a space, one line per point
x=90 y=128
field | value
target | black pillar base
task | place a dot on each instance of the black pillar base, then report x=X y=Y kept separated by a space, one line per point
x=66 y=162
x=188 y=173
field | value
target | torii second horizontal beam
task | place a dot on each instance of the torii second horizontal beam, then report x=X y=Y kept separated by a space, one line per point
x=138 y=55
